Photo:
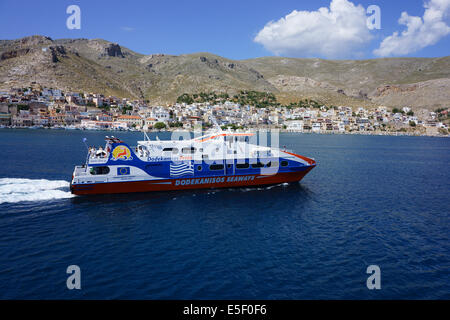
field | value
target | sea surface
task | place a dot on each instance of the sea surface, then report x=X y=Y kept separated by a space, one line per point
x=371 y=200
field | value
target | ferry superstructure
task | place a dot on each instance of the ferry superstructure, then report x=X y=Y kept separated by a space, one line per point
x=216 y=160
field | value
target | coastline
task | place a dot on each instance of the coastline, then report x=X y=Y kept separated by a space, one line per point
x=364 y=133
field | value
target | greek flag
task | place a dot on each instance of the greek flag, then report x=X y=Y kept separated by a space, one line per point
x=183 y=168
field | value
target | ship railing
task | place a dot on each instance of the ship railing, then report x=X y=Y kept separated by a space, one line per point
x=283 y=150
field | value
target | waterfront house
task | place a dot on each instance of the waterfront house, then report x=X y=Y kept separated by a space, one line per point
x=22 y=119
x=5 y=119
x=294 y=125
x=150 y=122
x=316 y=126
x=131 y=121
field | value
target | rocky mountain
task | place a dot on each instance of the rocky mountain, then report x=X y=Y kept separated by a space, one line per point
x=97 y=65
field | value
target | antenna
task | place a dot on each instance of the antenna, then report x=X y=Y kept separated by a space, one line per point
x=84 y=141
x=88 y=154
x=146 y=138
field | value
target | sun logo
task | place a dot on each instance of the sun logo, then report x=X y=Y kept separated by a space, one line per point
x=121 y=153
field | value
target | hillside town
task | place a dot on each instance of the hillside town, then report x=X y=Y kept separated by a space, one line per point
x=55 y=109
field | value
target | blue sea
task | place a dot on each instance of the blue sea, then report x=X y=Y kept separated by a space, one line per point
x=371 y=200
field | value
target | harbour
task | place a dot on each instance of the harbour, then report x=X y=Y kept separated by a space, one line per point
x=373 y=200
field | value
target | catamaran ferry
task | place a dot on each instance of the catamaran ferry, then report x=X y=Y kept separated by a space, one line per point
x=216 y=160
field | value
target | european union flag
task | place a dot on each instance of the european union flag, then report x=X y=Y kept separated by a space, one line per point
x=121 y=171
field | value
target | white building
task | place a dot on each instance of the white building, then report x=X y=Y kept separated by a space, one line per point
x=160 y=114
x=316 y=126
x=294 y=125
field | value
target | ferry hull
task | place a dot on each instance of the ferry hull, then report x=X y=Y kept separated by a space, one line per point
x=188 y=183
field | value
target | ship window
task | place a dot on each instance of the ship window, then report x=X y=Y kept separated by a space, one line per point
x=188 y=150
x=173 y=150
x=99 y=170
x=199 y=168
x=242 y=165
x=216 y=167
x=272 y=164
x=284 y=163
x=205 y=156
x=258 y=165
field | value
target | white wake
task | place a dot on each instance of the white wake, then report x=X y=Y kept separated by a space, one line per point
x=14 y=190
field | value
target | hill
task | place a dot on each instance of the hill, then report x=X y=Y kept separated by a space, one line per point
x=96 y=65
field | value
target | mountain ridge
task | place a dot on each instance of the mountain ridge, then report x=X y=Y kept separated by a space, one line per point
x=97 y=65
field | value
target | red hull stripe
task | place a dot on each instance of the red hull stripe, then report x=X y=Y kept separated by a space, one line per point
x=188 y=183
x=310 y=161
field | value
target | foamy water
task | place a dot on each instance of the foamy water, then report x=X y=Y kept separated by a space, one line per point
x=14 y=190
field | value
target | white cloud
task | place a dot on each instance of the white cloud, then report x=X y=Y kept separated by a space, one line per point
x=335 y=32
x=420 y=32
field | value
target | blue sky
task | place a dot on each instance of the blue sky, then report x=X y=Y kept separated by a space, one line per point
x=229 y=27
